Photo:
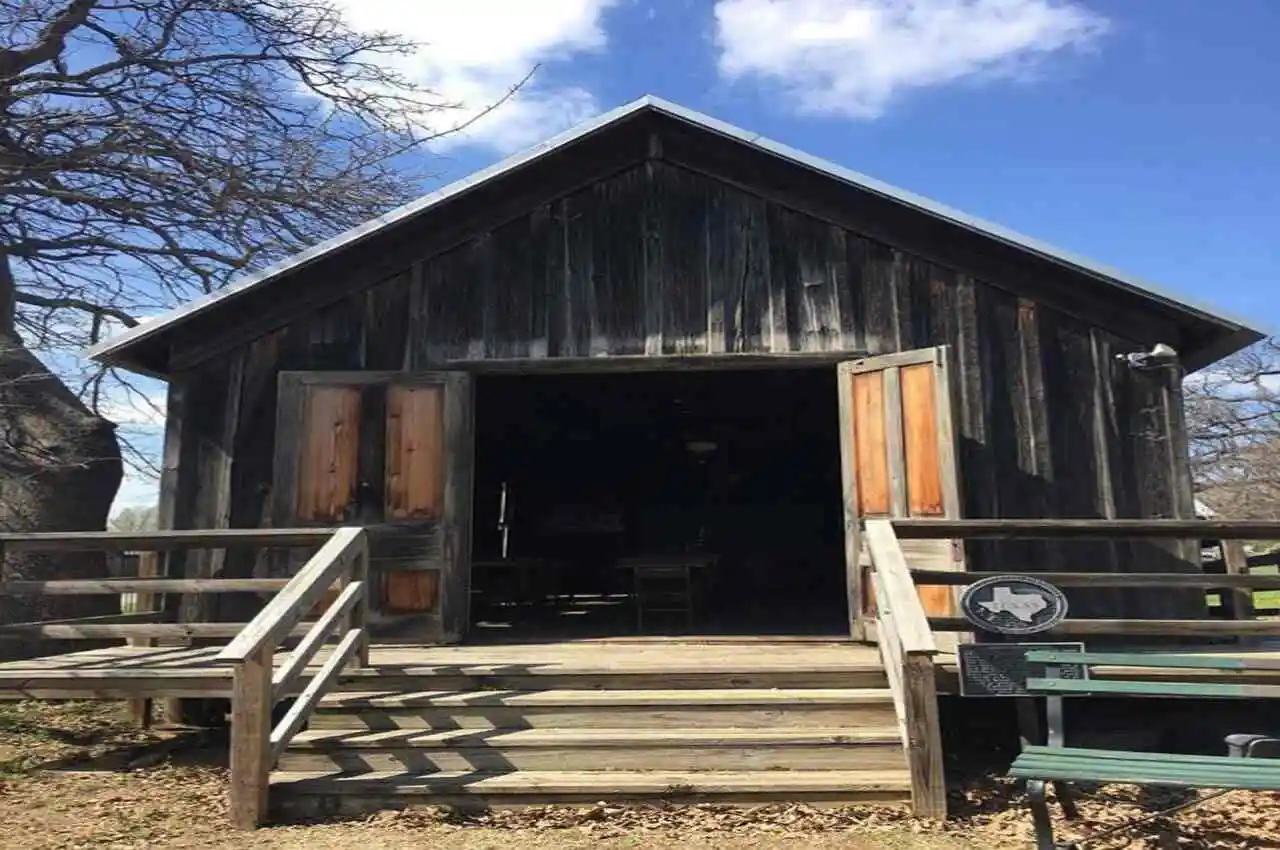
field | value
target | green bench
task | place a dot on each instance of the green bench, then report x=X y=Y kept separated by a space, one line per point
x=1252 y=762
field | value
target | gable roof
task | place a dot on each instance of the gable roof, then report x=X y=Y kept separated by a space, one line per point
x=1220 y=335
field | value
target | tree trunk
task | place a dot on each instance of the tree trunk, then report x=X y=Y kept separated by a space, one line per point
x=60 y=467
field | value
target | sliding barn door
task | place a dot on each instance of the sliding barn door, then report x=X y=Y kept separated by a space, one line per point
x=394 y=451
x=899 y=460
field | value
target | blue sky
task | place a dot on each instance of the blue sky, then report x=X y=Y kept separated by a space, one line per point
x=1141 y=134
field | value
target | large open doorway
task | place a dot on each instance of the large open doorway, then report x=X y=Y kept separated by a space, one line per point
x=676 y=502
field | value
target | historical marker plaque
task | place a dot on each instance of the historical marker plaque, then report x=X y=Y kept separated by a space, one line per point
x=1002 y=669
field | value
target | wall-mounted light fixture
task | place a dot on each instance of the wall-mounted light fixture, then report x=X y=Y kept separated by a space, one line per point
x=1160 y=356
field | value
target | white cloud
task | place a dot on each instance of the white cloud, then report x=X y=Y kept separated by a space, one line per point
x=475 y=51
x=853 y=57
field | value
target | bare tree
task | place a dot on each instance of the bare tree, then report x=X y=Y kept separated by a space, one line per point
x=1233 y=413
x=135 y=519
x=150 y=150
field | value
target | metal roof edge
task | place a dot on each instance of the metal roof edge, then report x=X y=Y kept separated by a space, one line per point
x=103 y=350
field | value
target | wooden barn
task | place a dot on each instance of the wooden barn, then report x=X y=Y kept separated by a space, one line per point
x=658 y=335
x=646 y=382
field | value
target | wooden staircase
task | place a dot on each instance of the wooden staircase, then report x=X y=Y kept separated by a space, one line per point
x=494 y=738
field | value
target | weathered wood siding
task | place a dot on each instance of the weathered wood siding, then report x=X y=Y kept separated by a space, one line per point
x=661 y=260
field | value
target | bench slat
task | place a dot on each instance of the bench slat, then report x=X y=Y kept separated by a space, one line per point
x=1040 y=750
x=1151 y=659
x=1086 y=765
x=1151 y=689
x=1148 y=775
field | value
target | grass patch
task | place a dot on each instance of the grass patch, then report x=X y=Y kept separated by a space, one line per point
x=1263 y=600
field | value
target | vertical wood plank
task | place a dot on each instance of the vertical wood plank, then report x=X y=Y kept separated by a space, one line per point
x=415 y=459
x=843 y=307
x=618 y=263
x=559 y=302
x=921 y=441
x=582 y=210
x=386 y=320
x=853 y=310
x=329 y=456
x=894 y=440
x=541 y=233
x=683 y=218
x=854 y=591
x=654 y=285
x=411 y=591
x=715 y=271
x=746 y=261
x=948 y=465
x=250 y=739
x=459 y=431
x=509 y=290
x=818 y=257
x=148 y=567
x=870 y=458
x=290 y=419
x=419 y=353
x=924 y=734
x=372 y=460
x=1238 y=601
x=781 y=281
x=880 y=300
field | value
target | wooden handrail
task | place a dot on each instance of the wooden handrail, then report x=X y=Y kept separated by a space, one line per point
x=306 y=703
x=941 y=529
x=1205 y=580
x=907 y=648
x=113 y=586
x=289 y=673
x=289 y=606
x=163 y=541
x=1171 y=628
x=86 y=628
x=900 y=592
x=255 y=745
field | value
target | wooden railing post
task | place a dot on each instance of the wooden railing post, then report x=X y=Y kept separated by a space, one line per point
x=924 y=737
x=1236 y=602
x=359 y=617
x=148 y=567
x=907 y=648
x=251 y=704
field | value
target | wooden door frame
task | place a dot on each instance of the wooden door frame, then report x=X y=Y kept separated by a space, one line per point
x=457 y=515
x=940 y=357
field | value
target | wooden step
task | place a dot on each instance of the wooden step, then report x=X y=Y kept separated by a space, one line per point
x=742 y=708
x=303 y=794
x=670 y=749
x=588 y=677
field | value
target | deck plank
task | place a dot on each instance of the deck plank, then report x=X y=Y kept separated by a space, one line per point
x=150 y=668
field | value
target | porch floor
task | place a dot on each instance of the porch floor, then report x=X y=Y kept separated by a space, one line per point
x=175 y=671
x=123 y=672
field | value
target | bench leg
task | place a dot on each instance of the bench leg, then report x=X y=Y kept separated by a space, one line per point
x=1040 y=814
x=1067 y=799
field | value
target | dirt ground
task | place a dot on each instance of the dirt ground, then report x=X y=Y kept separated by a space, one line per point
x=75 y=775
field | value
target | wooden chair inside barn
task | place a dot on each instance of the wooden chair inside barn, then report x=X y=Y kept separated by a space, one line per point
x=662 y=589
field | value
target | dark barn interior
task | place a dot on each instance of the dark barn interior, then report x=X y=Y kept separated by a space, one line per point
x=703 y=502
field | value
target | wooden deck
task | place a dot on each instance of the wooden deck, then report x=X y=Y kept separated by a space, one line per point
x=124 y=672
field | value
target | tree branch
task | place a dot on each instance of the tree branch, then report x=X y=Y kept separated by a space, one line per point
x=77 y=304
